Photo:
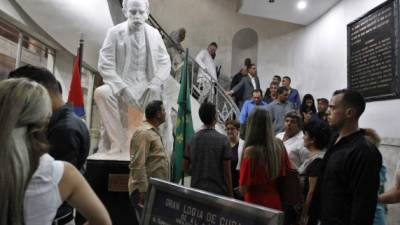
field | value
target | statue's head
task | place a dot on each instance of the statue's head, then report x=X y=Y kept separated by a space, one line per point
x=136 y=11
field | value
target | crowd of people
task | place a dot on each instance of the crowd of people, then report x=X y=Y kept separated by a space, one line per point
x=335 y=165
x=340 y=169
x=338 y=164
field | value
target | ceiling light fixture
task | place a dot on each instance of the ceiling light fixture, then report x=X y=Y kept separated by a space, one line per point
x=301 y=5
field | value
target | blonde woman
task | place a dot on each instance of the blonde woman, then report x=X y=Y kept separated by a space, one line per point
x=32 y=183
x=264 y=160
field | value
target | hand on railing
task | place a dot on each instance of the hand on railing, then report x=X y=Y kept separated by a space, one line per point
x=228 y=93
x=226 y=107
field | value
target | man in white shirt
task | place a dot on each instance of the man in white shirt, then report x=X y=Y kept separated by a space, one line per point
x=292 y=138
x=207 y=74
x=134 y=64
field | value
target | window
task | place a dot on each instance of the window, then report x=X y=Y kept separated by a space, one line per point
x=18 y=49
x=35 y=53
x=8 y=49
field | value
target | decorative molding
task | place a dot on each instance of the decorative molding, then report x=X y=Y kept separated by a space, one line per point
x=391 y=142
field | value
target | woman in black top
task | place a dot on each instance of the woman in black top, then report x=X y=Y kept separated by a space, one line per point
x=308 y=104
x=232 y=131
x=308 y=109
x=316 y=138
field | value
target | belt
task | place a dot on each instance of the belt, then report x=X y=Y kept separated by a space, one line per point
x=64 y=219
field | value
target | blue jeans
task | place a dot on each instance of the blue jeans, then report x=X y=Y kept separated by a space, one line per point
x=380 y=214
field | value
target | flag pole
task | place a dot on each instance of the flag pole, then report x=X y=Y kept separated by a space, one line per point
x=184 y=108
x=80 y=54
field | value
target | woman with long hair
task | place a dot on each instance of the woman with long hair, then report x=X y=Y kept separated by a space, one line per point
x=24 y=109
x=308 y=104
x=32 y=184
x=308 y=109
x=264 y=160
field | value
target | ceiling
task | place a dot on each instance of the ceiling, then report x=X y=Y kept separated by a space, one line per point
x=65 y=20
x=286 y=10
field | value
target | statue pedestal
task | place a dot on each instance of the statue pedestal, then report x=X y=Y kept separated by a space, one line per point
x=108 y=175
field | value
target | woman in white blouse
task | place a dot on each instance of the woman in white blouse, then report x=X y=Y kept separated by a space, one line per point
x=32 y=184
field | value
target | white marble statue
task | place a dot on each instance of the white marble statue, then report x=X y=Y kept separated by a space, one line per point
x=134 y=64
x=176 y=51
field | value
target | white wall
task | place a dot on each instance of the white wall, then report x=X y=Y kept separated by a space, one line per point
x=318 y=60
x=244 y=45
x=63 y=70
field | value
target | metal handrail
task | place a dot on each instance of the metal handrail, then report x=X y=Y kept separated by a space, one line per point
x=225 y=105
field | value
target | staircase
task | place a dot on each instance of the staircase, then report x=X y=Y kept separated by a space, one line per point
x=225 y=105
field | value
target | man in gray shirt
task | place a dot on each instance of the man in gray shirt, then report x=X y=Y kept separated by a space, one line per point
x=208 y=156
x=279 y=108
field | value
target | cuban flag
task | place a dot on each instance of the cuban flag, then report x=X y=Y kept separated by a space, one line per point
x=75 y=96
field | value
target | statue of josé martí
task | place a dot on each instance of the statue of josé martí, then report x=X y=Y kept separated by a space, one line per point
x=134 y=64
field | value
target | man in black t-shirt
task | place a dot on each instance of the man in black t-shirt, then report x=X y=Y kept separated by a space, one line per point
x=208 y=156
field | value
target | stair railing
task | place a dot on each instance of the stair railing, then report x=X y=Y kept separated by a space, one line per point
x=226 y=107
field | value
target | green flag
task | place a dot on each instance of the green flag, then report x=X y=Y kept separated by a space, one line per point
x=184 y=124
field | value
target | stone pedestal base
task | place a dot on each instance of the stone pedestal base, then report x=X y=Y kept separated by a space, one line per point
x=108 y=176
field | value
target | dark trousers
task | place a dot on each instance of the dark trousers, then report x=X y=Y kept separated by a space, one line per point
x=135 y=200
x=291 y=215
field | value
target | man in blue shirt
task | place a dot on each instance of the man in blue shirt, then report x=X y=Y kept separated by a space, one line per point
x=279 y=108
x=248 y=106
x=294 y=96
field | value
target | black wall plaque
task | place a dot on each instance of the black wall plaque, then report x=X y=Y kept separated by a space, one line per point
x=170 y=204
x=373 y=52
